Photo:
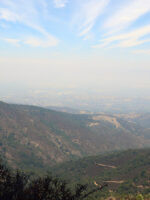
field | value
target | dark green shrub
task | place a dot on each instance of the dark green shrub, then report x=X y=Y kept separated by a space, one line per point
x=19 y=186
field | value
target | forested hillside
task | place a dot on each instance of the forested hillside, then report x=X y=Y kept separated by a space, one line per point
x=126 y=172
x=121 y=175
x=34 y=137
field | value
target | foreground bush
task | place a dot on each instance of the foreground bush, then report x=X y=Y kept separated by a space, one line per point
x=19 y=186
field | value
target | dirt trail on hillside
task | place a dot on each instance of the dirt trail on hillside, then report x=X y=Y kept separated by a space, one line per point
x=103 y=165
x=117 y=182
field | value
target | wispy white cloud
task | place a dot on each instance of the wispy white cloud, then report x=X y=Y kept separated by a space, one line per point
x=127 y=14
x=26 y=12
x=60 y=3
x=85 y=15
x=12 y=41
x=132 y=42
x=38 y=42
x=8 y=15
x=130 y=39
x=142 y=51
x=32 y=41
x=88 y=12
x=86 y=30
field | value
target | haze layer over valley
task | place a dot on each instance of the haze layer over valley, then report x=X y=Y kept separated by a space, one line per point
x=79 y=100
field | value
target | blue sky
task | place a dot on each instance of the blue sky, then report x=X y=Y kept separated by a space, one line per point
x=75 y=42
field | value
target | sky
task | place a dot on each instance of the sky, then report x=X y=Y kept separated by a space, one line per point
x=103 y=44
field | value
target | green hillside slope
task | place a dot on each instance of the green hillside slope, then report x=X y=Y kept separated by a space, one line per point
x=34 y=137
x=125 y=172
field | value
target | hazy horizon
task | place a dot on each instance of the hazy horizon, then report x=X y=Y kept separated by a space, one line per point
x=89 y=45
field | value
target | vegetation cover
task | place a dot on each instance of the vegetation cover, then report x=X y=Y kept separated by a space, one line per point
x=127 y=173
x=16 y=185
x=19 y=186
x=36 y=138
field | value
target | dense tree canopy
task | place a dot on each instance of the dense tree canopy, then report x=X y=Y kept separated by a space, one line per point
x=19 y=186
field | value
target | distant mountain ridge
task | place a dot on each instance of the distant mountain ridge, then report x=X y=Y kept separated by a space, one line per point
x=35 y=137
